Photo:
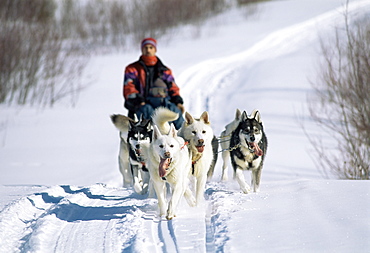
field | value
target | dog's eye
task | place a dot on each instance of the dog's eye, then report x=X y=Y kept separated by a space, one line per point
x=194 y=132
x=161 y=146
x=204 y=131
x=171 y=146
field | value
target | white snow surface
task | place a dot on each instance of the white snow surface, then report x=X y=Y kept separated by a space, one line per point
x=61 y=190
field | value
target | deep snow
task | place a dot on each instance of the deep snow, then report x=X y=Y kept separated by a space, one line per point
x=60 y=186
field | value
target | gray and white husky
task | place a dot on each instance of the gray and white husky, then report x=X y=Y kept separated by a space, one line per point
x=247 y=148
x=135 y=136
x=169 y=162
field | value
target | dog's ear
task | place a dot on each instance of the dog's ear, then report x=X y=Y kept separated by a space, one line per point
x=238 y=114
x=148 y=125
x=188 y=118
x=131 y=125
x=256 y=115
x=244 y=116
x=205 y=118
x=156 y=133
x=172 y=132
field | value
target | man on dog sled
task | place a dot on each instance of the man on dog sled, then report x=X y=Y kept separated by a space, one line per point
x=149 y=84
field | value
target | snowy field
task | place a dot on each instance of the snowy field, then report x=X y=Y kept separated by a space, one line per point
x=60 y=187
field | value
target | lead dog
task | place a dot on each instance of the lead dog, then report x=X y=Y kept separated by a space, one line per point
x=169 y=162
x=248 y=146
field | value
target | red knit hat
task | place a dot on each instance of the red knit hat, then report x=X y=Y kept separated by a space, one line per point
x=150 y=41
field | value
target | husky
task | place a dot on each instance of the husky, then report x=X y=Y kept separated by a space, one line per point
x=169 y=162
x=248 y=146
x=134 y=138
x=139 y=137
x=198 y=133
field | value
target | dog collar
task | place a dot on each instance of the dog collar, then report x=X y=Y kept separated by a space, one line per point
x=197 y=159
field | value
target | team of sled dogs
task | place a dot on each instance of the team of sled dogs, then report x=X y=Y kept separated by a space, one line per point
x=154 y=155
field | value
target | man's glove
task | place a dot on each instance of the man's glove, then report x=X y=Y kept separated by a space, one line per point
x=177 y=100
x=133 y=102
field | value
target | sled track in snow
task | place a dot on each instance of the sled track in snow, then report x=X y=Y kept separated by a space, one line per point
x=103 y=219
x=70 y=219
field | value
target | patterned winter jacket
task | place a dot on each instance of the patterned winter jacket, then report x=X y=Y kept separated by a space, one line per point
x=135 y=81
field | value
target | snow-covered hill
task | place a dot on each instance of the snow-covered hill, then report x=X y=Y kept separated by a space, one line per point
x=60 y=189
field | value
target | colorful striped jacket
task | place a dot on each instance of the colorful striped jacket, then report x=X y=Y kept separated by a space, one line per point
x=136 y=81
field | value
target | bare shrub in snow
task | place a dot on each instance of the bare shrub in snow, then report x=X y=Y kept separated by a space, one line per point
x=341 y=102
x=37 y=66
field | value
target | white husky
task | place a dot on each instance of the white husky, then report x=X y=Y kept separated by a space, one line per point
x=169 y=162
x=199 y=134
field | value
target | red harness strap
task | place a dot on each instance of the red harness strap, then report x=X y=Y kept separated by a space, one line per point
x=186 y=143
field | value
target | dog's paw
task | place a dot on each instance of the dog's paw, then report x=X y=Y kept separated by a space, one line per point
x=145 y=189
x=192 y=202
x=161 y=216
x=138 y=189
x=170 y=216
x=246 y=190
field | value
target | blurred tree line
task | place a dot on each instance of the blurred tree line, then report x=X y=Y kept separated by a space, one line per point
x=45 y=44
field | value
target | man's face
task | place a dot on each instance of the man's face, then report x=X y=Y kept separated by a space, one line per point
x=148 y=50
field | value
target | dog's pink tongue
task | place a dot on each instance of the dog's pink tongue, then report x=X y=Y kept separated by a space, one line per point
x=163 y=165
x=256 y=148
x=200 y=149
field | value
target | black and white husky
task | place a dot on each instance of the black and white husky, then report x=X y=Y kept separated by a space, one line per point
x=139 y=137
x=247 y=148
x=135 y=136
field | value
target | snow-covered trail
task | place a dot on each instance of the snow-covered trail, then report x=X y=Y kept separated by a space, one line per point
x=71 y=219
x=304 y=215
x=90 y=219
